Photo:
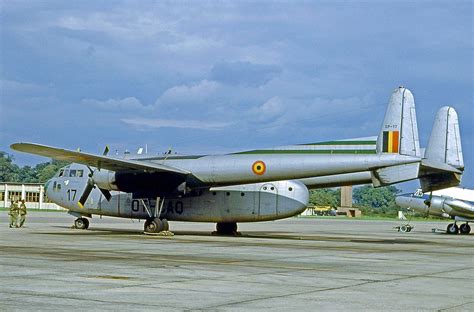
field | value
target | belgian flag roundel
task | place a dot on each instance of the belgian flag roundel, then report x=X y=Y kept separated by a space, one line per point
x=390 y=141
x=259 y=167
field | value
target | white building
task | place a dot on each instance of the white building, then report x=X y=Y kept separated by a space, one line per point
x=32 y=193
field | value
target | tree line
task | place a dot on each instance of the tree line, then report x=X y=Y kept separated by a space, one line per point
x=11 y=172
x=368 y=199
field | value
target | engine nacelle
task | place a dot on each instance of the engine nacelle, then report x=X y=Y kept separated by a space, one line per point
x=105 y=179
x=437 y=207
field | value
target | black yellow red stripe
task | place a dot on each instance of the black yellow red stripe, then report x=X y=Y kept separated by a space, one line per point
x=391 y=141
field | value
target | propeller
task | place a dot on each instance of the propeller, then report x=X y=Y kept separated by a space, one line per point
x=92 y=185
x=428 y=201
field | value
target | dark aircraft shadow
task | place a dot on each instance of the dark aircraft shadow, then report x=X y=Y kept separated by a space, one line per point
x=94 y=231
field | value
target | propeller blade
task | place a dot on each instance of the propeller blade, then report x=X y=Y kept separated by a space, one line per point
x=106 y=194
x=428 y=201
x=85 y=195
x=106 y=150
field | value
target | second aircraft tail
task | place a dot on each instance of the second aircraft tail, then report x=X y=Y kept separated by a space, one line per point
x=443 y=164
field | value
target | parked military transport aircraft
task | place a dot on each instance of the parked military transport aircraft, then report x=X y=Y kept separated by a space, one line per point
x=258 y=185
x=454 y=202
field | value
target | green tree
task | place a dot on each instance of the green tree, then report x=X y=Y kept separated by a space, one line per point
x=9 y=172
x=325 y=197
x=377 y=200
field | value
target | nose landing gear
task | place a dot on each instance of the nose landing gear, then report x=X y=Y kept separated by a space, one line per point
x=465 y=228
x=454 y=229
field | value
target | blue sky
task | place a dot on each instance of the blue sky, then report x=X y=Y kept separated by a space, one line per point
x=213 y=77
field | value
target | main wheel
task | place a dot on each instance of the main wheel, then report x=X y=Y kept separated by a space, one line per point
x=86 y=223
x=226 y=228
x=452 y=229
x=465 y=228
x=81 y=223
x=166 y=225
x=153 y=226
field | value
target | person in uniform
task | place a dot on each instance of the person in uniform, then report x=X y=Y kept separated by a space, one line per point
x=13 y=213
x=22 y=213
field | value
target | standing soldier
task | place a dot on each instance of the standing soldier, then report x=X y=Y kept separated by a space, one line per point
x=22 y=213
x=13 y=213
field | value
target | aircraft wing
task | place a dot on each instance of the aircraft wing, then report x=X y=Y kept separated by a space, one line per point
x=98 y=161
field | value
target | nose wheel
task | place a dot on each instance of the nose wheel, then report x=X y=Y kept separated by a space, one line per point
x=452 y=228
x=465 y=229
x=81 y=223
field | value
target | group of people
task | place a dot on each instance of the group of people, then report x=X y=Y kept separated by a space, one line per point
x=17 y=213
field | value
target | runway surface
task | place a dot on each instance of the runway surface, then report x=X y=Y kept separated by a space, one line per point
x=296 y=264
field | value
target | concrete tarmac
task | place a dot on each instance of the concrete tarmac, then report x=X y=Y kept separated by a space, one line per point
x=297 y=264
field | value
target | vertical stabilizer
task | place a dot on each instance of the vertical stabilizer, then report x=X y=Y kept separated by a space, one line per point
x=399 y=133
x=443 y=163
x=444 y=145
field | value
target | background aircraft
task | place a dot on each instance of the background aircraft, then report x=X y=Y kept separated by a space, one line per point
x=256 y=185
x=455 y=203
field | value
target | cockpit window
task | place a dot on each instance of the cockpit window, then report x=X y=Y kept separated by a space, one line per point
x=66 y=173
x=61 y=172
x=75 y=173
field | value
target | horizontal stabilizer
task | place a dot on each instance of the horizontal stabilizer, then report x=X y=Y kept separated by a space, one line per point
x=395 y=174
x=433 y=166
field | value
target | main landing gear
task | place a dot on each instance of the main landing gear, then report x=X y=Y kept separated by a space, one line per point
x=156 y=225
x=81 y=223
x=454 y=229
x=226 y=228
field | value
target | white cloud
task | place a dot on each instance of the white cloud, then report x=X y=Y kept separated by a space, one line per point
x=129 y=103
x=189 y=93
x=142 y=123
x=272 y=108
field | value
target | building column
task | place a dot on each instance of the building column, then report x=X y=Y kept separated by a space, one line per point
x=346 y=196
x=5 y=200
x=23 y=192
x=41 y=198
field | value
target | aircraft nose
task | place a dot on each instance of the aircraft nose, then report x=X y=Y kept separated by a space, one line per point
x=47 y=187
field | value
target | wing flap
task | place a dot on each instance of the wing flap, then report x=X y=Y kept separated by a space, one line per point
x=109 y=163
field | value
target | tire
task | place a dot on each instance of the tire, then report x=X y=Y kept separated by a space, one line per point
x=86 y=223
x=166 y=225
x=80 y=224
x=465 y=229
x=153 y=226
x=226 y=228
x=452 y=229
x=404 y=229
